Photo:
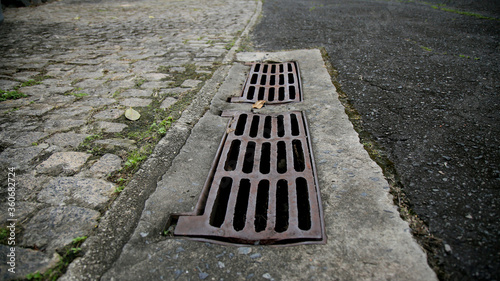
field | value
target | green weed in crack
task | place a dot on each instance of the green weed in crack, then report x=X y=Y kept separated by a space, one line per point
x=66 y=256
x=11 y=95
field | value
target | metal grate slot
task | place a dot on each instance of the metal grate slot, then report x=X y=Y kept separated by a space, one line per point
x=262 y=187
x=273 y=82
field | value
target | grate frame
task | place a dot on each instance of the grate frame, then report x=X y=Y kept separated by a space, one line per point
x=203 y=225
x=276 y=83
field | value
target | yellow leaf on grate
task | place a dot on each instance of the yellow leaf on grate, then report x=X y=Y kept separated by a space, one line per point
x=259 y=104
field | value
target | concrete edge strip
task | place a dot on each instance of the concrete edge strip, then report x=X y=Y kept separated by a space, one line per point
x=362 y=223
x=118 y=223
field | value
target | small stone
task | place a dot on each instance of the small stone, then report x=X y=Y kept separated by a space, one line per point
x=203 y=275
x=266 y=276
x=179 y=250
x=244 y=250
x=221 y=254
x=469 y=216
x=255 y=256
x=221 y=264
x=447 y=248
x=68 y=163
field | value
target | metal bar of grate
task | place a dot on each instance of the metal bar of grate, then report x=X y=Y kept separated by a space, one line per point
x=262 y=188
x=273 y=82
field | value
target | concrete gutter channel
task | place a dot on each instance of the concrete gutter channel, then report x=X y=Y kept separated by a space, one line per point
x=367 y=240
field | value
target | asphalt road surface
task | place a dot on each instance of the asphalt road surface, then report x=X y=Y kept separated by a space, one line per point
x=425 y=79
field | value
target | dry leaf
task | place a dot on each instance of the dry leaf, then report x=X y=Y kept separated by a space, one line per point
x=131 y=114
x=259 y=104
x=229 y=130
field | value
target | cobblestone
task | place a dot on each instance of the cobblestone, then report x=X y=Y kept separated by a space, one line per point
x=113 y=113
x=110 y=127
x=67 y=163
x=107 y=164
x=29 y=261
x=190 y=83
x=55 y=227
x=81 y=66
x=70 y=140
x=167 y=102
x=84 y=192
x=136 y=102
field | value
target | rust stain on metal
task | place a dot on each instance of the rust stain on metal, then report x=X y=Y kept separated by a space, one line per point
x=262 y=187
x=273 y=82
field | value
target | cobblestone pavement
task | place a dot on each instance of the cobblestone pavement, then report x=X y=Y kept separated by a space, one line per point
x=75 y=67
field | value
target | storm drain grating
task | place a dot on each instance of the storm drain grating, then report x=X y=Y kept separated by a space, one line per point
x=273 y=82
x=262 y=187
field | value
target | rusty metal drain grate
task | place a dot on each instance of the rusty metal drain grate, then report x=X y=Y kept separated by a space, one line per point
x=262 y=187
x=273 y=82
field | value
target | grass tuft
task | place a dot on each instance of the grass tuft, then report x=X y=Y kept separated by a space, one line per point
x=11 y=95
x=66 y=256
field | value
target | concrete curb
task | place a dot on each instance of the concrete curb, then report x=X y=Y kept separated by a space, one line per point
x=367 y=238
